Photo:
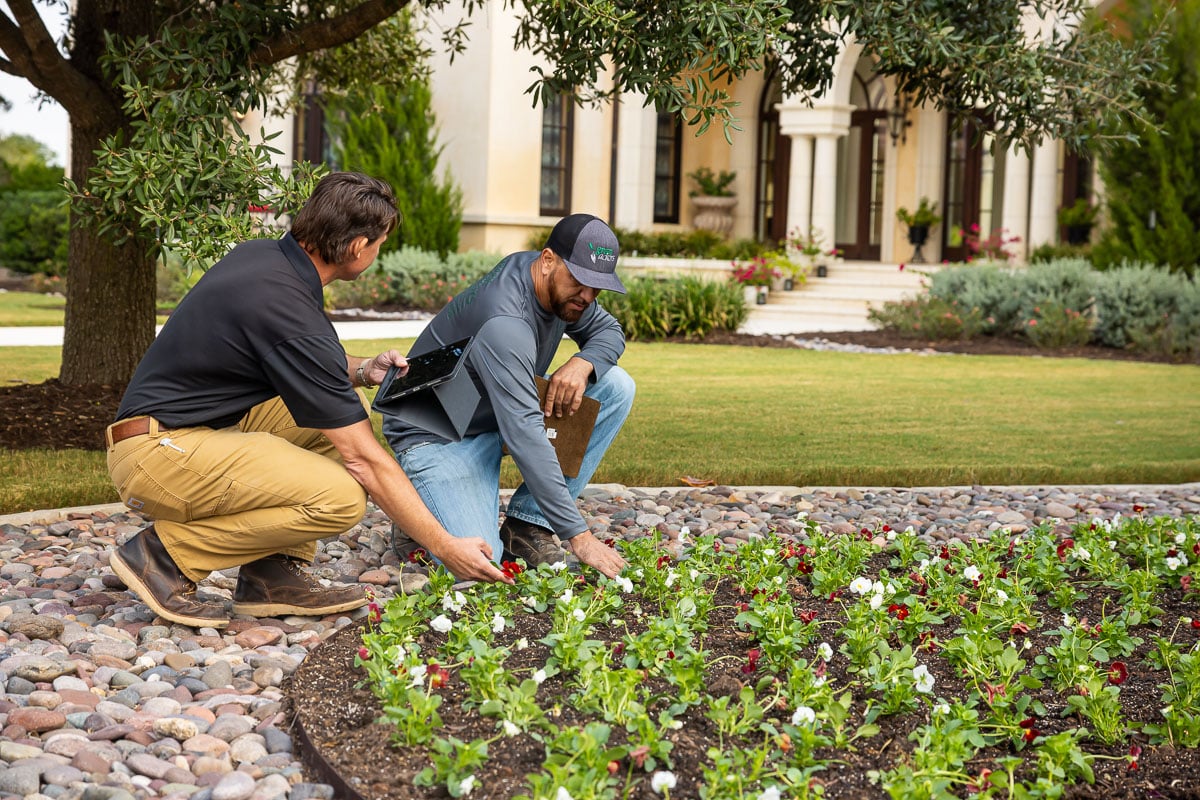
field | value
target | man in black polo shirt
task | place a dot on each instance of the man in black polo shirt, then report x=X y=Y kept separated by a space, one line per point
x=242 y=434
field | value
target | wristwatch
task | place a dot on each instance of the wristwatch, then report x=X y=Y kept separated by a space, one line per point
x=361 y=374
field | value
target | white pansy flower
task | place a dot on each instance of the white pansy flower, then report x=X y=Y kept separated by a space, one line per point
x=694 y=574
x=529 y=602
x=801 y=516
x=876 y=600
x=539 y=677
x=1180 y=538
x=1082 y=554
x=1067 y=621
x=454 y=602
x=672 y=576
x=625 y=584
x=567 y=596
x=878 y=587
x=468 y=783
x=770 y=793
x=778 y=579
x=662 y=780
x=1112 y=544
x=941 y=708
x=498 y=622
x=922 y=678
x=559 y=566
x=1172 y=563
x=441 y=623
x=803 y=715
x=1002 y=595
x=922 y=565
x=509 y=728
x=819 y=681
x=971 y=573
x=824 y=651
x=860 y=585
x=675 y=724
x=579 y=615
x=563 y=794
x=768 y=552
x=522 y=643
x=417 y=674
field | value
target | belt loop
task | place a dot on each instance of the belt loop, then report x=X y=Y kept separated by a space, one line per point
x=154 y=427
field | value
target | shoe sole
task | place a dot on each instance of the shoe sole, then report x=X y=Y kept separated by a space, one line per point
x=131 y=580
x=288 y=610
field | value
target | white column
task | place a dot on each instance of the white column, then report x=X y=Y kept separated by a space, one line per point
x=635 y=165
x=1043 y=197
x=824 y=182
x=800 y=185
x=1015 y=216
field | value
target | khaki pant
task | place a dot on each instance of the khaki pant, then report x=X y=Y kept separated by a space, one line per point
x=222 y=498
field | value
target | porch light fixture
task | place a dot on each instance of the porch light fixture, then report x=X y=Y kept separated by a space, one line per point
x=898 y=121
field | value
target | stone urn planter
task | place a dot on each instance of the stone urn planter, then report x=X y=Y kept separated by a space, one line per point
x=714 y=213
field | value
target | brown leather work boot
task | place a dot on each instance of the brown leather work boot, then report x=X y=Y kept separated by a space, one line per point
x=149 y=571
x=276 y=586
x=530 y=542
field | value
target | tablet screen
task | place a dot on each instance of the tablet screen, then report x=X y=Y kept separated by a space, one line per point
x=428 y=369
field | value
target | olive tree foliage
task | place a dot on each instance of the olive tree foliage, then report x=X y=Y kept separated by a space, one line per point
x=155 y=88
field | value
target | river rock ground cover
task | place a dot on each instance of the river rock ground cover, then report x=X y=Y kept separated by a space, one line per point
x=1008 y=709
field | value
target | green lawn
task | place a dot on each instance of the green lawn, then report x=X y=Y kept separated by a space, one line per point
x=21 y=309
x=794 y=417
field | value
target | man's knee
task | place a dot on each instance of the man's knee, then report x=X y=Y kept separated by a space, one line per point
x=618 y=387
x=342 y=506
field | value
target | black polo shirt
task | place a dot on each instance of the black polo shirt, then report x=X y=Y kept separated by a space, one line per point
x=252 y=328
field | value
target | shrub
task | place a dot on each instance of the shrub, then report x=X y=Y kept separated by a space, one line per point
x=1054 y=252
x=988 y=287
x=929 y=318
x=33 y=231
x=655 y=308
x=1055 y=325
x=1070 y=284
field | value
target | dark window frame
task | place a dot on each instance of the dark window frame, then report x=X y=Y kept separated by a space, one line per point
x=669 y=180
x=558 y=115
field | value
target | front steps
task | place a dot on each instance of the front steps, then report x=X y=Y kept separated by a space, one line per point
x=837 y=302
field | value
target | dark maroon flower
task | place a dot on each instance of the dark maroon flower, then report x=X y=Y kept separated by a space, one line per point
x=364 y=654
x=899 y=609
x=1066 y=545
x=663 y=561
x=807 y=616
x=373 y=613
x=1118 y=673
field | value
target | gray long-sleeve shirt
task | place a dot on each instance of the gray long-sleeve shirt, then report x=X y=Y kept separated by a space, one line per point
x=514 y=340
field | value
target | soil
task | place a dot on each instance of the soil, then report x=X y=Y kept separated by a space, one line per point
x=343 y=742
x=56 y=417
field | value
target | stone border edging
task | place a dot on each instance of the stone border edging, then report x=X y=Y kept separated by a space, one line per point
x=46 y=516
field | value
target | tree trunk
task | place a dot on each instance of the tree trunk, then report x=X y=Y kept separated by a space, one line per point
x=111 y=289
x=110 y=296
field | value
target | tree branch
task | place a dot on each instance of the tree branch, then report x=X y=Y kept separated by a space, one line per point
x=324 y=33
x=33 y=54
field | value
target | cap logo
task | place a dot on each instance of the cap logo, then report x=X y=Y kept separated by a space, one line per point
x=601 y=253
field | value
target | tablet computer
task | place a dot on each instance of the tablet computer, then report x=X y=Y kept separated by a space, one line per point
x=424 y=371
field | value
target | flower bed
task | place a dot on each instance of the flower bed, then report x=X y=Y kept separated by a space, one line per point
x=816 y=665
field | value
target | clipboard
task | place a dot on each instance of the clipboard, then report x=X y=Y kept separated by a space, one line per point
x=570 y=434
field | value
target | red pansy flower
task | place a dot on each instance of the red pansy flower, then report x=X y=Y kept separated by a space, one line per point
x=1066 y=545
x=364 y=654
x=1118 y=673
x=899 y=609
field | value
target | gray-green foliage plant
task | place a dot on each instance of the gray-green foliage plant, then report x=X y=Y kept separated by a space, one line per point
x=1135 y=305
x=391 y=134
x=423 y=279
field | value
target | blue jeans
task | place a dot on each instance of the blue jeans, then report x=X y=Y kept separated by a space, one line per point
x=460 y=481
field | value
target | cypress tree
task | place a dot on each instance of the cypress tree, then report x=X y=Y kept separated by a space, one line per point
x=392 y=135
x=1153 y=184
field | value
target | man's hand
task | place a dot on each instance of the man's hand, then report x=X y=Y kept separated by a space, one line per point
x=595 y=553
x=470 y=560
x=376 y=369
x=567 y=385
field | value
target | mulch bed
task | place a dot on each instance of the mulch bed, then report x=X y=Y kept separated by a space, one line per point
x=52 y=416
x=347 y=744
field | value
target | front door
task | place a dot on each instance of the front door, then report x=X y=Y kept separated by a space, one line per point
x=864 y=157
x=964 y=169
x=772 y=176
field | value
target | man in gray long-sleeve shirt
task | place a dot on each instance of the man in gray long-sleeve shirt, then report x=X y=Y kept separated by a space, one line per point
x=517 y=315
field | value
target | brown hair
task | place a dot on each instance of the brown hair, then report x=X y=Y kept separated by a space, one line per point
x=343 y=207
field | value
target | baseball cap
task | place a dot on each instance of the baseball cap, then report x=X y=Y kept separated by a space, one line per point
x=590 y=250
